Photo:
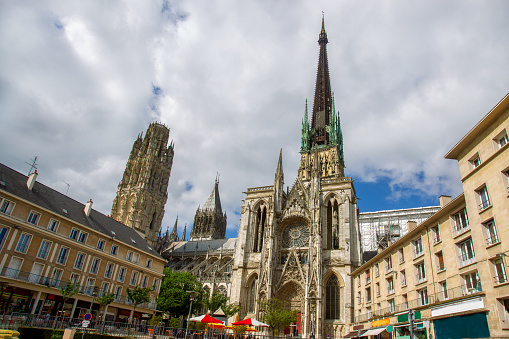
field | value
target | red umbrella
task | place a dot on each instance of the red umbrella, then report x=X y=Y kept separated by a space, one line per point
x=250 y=322
x=206 y=318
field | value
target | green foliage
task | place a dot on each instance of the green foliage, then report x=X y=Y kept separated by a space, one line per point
x=240 y=329
x=155 y=320
x=174 y=322
x=105 y=299
x=277 y=315
x=69 y=290
x=197 y=326
x=57 y=334
x=230 y=310
x=173 y=298
x=138 y=295
x=216 y=301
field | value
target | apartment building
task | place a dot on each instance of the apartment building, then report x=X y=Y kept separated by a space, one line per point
x=451 y=268
x=48 y=239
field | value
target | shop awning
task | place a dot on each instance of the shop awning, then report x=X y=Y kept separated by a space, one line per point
x=352 y=334
x=375 y=331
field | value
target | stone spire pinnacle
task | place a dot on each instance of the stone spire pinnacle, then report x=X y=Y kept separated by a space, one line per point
x=209 y=221
x=174 y=235
x=184 y=233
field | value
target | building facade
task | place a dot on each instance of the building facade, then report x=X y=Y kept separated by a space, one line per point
x=451 y=268
x=48 y=239
x=143 y=190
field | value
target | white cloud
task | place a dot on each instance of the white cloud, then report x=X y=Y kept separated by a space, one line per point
x=77 y=86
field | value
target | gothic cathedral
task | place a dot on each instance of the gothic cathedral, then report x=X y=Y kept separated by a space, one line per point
x=142 y=192
x=300 y=245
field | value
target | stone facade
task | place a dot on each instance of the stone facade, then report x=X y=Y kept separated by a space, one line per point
x=209 y=221
x=142 y=192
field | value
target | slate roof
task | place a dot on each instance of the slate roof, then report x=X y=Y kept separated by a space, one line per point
x=213 y=202
x=14 y=182
x=202 y=245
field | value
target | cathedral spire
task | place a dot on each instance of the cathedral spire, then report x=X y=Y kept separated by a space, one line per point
x=209 y=221
x=323 y=97
x=279 y=182
x=184 y=233
x=174 y=235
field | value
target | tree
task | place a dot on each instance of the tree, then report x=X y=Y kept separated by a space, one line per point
x=230 y=310
x=104 y=300
x=277 y=315
x=138 y=295
x=68 y=291
x=216 y=301
x=173 y=298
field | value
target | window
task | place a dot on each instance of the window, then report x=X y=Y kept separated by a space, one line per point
x=490 y=231
x=422 y=297
x=114 y=249
x=100 y=244
x=388 y=264
x=466 y=250
x=129 y=256
x=418 y=249
x=401 y=254
x=149 y=263
x=460 y=222
x=95 y=265
x=90 y=286
x=33 y=217
x=74 y=234
x=501 y=140
x=109 y=270
x=420 y=272
x=144 y=281
x=404 y=299
x=483 y=199
x=62 y=255
x=74 y=279
x=3 y=235
x=44 y=249
x=377 y=271
x=390 y=286
x=505 y=178
x=392 y=305
x=359 y=298
x=80 y=260
x=443 y=294
x=439 y=257
x=134 y=278
x=6 y=207
x=118 y=293
x=378 y=309
x=368 y=277
x=368 y=294
x=23 y=243
x=105 y=286
x=500 y=275
x=475 y=161
x=155 y=287
x=121 y=274
x=377 y=289
x=435 y=231
x=55 y=277
x=369 y=312
x=332 y=301
x=136 y=257
x=403 y=277
x=472 y=283
x=53 y=225
x=82 y=237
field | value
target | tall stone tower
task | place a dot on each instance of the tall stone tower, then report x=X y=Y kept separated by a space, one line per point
x=209 y=221
x=142 y=192
x=300 y=245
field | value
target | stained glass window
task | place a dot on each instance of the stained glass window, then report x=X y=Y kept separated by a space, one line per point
x=332 y=301
x=296 y=235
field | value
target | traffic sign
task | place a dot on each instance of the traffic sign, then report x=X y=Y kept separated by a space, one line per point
x=85 y=323
x=87 y=316
x=389 y=328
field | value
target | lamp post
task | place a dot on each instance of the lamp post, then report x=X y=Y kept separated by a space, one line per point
x=312 y=302
x=192 y=296
x=95 y=289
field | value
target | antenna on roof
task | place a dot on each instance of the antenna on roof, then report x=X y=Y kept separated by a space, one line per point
x=32 y=165
x=68 y=185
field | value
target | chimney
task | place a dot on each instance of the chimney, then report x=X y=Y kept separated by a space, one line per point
x=31 y=180
x=411 y=225
x=444 y=200
x=88 y=207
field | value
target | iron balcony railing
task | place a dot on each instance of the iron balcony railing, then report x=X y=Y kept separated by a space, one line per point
x=466 y=259
x=57 y=284
x=501 y=278
x=492 y=240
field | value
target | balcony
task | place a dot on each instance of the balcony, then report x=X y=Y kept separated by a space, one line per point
x=461 y=228
x=466 y=259
x=492 y=240
x=500 y=279
x=420 y=278
x=57 y=284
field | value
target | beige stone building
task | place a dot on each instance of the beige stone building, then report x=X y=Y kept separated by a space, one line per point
x=451 y=268
x=48 y=239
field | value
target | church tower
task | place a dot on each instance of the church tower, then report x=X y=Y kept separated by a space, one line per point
x=142 y=192
x=300 y=245
x=209 y=221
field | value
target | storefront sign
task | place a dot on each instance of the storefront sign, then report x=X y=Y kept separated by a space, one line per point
x=358 y=327
x=462 y=306
x=381 y=322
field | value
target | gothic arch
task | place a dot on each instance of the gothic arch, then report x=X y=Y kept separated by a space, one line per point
x=251 y=292
x=332 y=203
x=292 y=294
x=258 y=225
x=334 y=296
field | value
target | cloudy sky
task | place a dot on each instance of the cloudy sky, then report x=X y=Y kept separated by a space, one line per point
x=79 y=80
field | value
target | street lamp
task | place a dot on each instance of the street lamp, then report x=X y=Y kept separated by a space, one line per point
x=312 y=302
x=192 y=296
